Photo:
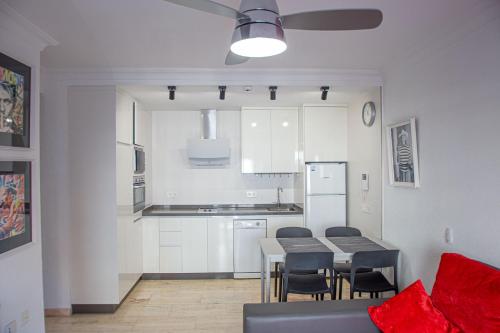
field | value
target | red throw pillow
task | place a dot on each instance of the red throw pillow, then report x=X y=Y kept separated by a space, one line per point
x=467 y=292
x=410 y=311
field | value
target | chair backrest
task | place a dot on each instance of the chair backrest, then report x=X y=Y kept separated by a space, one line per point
x=293 y=232
x=374 y=259
x=308 y=261
x=342 y=232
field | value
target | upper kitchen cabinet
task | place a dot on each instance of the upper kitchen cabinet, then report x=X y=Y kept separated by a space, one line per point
x=255 y=141
x=325 y=133
x=140 y=125
x=269 y=140
x=124 y=118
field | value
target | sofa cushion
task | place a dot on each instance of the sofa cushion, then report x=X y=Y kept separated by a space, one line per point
x=467 y=292
x=410 y=311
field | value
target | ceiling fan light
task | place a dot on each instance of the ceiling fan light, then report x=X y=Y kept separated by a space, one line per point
x=258 y=47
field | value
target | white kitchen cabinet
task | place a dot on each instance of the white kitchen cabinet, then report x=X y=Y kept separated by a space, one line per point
x=284 y=140
x=276 y=222
x=124 y=118
x=220 y=244
x=170 y=259
x=140 y=125
x=151 y=244
x=255 y=141
x=194 y=245
x=269 y=140
x=325 y=133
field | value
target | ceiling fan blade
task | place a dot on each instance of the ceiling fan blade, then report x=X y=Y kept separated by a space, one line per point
x=336 y=19
x=234 y=59
x=210 y=7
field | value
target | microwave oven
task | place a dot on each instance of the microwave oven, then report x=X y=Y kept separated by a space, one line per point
x=140 y=160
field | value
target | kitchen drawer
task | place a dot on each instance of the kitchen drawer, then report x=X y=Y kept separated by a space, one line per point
x=170 y=224
x=170 y=238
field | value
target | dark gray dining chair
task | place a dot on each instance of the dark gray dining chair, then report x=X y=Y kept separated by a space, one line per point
x=373 y=282
x=288 y=232
x=342 y=267
x=308 y=284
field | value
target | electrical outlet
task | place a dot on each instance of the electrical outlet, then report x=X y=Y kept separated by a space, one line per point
x=171 y=195
x=251 y=194
x=11 y=327
x=365 y=208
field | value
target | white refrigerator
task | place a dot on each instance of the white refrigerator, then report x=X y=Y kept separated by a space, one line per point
x=325 y=201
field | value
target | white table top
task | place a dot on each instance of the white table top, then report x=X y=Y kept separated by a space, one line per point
x=273 y=250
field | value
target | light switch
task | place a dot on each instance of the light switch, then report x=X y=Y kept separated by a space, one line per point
x=448 y=235
x=251 y=194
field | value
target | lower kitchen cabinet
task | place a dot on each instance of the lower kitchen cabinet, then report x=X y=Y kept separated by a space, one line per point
x=170 y=259
x=220 y=244
x=196 y=244
x=151 y=245
x=276 y=222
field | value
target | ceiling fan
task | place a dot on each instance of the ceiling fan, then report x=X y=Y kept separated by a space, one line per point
x=259 y=26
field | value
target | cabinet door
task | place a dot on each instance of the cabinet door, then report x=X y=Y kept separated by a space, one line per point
x=194 y=245
x=255 y=141
x=170 y=259
x=151 y=245
x=124 y=117
x=220 y=244
x=284 y=140
x=276 y=222
x=325 y=129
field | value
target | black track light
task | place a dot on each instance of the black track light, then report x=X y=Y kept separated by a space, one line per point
x=222 y=93
x=171 y=92
x=324 y=92
x=272 y=91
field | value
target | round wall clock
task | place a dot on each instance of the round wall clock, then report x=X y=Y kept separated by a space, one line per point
x=368 y=114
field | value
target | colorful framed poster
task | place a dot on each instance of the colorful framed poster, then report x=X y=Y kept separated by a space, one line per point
x=15 y=85
x=403 y=154
x=15 y=205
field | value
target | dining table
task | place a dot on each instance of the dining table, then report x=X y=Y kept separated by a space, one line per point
x=273 y=250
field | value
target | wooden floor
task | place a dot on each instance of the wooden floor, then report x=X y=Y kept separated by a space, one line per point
x=174 y=306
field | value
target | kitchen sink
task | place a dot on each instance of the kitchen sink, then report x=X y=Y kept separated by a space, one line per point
x=281 y=209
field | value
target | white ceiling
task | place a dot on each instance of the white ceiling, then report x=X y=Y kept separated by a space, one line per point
x=153 y=33
x=190 y=98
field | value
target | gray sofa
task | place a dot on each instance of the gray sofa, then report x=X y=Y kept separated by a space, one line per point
x=310 y=317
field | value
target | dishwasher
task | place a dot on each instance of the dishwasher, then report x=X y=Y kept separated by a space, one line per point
x=247 y=234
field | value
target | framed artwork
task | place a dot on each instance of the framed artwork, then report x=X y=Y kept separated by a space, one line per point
x=15 y=83
x=15 y=205
x=403 y=154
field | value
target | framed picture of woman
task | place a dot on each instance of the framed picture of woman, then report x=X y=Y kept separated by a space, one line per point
x=15 y=83
x=403 y=154
x=15 y=205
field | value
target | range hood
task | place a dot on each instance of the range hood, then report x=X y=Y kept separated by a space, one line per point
x=208 y=150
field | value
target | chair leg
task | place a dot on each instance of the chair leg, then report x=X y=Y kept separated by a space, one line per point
x=335 y=279
x=317 y=297
x=280 y=293
x=340 y=287
x=371 y=294
x=359 y=294
x=376 y=295
x=351 y=294
x=322 y=297
x=275 y=279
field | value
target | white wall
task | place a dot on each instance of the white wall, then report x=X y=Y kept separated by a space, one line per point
x=92 y=175
x=453 y=91
x=364 y=155
x=172 y=172
x=21 y=287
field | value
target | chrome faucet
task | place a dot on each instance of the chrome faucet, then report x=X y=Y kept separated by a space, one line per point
x=278 y=192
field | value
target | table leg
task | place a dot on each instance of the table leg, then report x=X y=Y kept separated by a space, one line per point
x=268 y=280
x=262 y=276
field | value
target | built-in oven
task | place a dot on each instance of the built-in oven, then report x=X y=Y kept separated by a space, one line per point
x=139 y=193
x=140 y=160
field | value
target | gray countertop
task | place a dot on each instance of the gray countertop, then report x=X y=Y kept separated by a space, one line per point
x=222 y=210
